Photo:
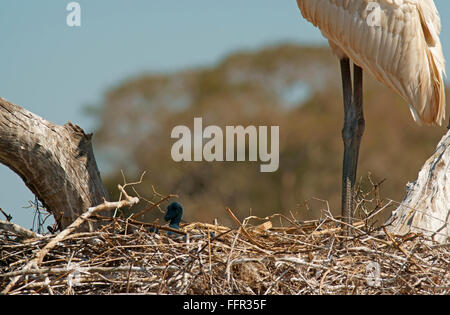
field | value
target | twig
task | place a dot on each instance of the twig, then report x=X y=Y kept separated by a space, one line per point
x=236 y=220
x=17 y=229
x=137 y=215
x=106 y=205
x=7 y=216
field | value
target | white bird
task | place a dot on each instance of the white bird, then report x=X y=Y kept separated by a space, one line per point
x=397 y=42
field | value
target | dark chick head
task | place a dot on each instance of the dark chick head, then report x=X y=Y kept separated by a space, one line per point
x=174 y=213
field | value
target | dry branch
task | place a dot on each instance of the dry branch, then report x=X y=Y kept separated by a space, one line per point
x=17 y=229
x=56 y=162
x=303 y=260
x=426 y=205
x=236 y=220
x=105 y=206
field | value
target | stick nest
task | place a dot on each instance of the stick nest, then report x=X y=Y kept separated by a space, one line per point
x=313 y=257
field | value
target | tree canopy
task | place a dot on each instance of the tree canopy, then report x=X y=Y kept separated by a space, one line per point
x=293 y=87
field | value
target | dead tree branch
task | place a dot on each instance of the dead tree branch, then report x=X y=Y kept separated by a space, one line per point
x=55 y=162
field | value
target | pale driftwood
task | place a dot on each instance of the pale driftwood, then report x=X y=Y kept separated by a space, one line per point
x=58 y=271
x=426 y=205
x=244 y=231
x=105 y=206
x=56 y=163
x=17 y=229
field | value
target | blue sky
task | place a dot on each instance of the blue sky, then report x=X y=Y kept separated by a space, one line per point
x=54 y=70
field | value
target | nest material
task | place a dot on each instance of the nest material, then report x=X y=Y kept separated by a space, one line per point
x=306 y=258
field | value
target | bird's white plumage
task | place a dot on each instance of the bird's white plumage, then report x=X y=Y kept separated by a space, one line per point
x=397 y=41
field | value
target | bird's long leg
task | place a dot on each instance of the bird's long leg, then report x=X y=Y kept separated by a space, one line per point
x=351 y=134
x=360 y=122
x=347 y=199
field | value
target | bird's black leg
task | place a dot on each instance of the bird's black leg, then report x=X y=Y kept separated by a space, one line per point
x=347 y=199
x=360 y=122
x=351 y=135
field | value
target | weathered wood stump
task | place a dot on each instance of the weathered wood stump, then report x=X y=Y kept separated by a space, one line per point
x=56 y=163
x=426 y=205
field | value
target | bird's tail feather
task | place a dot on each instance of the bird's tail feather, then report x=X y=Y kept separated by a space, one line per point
x=434 y=112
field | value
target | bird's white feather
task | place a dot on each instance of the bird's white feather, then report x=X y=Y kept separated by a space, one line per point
x=400 y=48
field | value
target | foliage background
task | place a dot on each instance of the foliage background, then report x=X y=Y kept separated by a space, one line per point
x=297 y=88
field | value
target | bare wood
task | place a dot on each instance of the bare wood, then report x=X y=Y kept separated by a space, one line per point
x=55 y=162
x=193 y=226
x=157 y=226
x=236 y=220
x=426 y=205
x=407 y=255
x=7 y=216
x=17 y=229
x=296 y=264
x=141 y=213
x=339 y=229
x=263 y=227
x=106 y=205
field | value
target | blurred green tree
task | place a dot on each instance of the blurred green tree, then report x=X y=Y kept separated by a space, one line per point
x=294 y=87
